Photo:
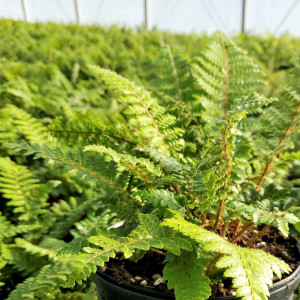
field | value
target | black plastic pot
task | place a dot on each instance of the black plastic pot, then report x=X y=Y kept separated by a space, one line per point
x=109 y=288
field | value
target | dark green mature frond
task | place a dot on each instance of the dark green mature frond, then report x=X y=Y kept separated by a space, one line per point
x=160 y=198
x=89 y=128
x=251 y=270
x=141 y=168
x=38 y=250
x=24 y=192
x=185 y=177
x=148 y=120
x=261 y=213
x=86 y=165
x=277 y=128
x=65 y=214
x=45 y=285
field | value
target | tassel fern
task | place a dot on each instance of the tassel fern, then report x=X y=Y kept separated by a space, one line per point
x=177 y=165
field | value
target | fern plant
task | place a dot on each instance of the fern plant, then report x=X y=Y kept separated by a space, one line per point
x=180 y=172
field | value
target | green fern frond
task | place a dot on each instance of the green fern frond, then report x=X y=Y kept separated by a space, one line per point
x=86 y=165
x=26 y=125
x=225 y=71
x=8 y=230
x=94 y=221
x=65 y=214
x=139 y=167
x=262 y=214
x=86 y=129
x=174 y=85
x=45 y=285
x=160 y=198
x=147 y=234
x=147 y=117
x=277 y=129
x=218 y=159
x=187 y=177
x=24 y=192
x=36 y=250
x=185 y=274
x=250 y=282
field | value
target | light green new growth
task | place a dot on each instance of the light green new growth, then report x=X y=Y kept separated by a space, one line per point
x=251 y=270
x=191 y=284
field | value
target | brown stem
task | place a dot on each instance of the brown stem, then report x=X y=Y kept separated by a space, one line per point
x=94 y=132
x=227 y=153
x=155 y=125
x=175 y=185
x=236 y=225
x=257 y=235
x=203 y=217
x=175 y=73
x=212 y=264
x=245 y=228
x=157 y=251
x=228 y=171
x=225 y=99
x=221 y=206
x=225 y=228
x=267 y=169
x=270 y=164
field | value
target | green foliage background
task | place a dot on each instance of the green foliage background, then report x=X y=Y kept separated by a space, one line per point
x=44 y=74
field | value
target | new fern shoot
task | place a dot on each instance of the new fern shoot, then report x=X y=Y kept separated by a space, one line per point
x=184 y=159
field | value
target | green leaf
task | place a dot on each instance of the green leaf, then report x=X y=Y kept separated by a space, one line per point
x=252 y=270
x=184 y=274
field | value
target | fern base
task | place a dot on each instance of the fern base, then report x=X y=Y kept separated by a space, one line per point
x=108 y=288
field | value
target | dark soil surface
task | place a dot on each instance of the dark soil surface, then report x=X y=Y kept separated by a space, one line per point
x=143 y=273
x=147 y=272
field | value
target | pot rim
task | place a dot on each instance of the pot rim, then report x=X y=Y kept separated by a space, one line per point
x=135 y=288
x=290 y=278
x=168 y=296
x=164 y=295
